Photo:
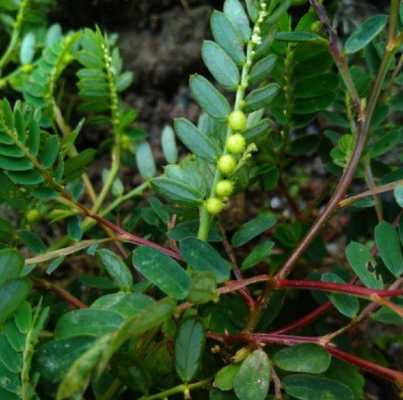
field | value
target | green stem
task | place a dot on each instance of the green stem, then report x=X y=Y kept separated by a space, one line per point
x=5 y=59
x=178 y=389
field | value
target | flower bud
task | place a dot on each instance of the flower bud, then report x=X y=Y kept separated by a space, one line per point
x=237 y=121
x=214 y=206
x=227 y=164
x=236 y=144
x=224 y=188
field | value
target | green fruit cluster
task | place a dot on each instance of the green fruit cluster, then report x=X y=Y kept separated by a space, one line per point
x=227 y=163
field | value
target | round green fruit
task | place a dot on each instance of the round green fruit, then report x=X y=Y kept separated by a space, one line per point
x=237 y=121
x=227 y=164
x=224 y=188
x=236 y=144
x=33 y=215
x=214 y=206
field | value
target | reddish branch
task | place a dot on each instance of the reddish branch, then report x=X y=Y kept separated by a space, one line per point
x=235 y=267
x=259 y=339
x=73 y=301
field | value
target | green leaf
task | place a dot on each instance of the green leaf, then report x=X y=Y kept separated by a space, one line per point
x=87 y=322
x=209 y=98
x=117 y=269
x=253 y=228
x=262 y=97
x=220 y=65
x=365 y=33
x=318 y=85
x=11 y=265
x=189 y=348
x=162 y=271
x=78 y=376
x=388 y=244
x=195 y=140
x=345 y=304
x=235 y=12
x=203 y=288
x=202 y=257
x=387 y=316
x=125 y=304
x=54 y=358
x=227 y=37
x=309 y=358
x=224 y=379
x=259 y=254
x=73 y=167
x=349 y=375
x=151 y=317
x=253 y=379
x=262 y=69
x=298 y=37
x=12 y=294
x=27 y=51
x=177 y=191
x=363 y=263
x=168 y=143
x=308 y=387
x=145 y=161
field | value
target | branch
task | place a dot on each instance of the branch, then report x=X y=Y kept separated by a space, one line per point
x=62 y=293
x=288 y=340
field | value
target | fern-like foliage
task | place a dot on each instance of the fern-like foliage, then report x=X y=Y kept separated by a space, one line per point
x=27 y=154
x=39 y=89
x=101 y=78
x=18 y=339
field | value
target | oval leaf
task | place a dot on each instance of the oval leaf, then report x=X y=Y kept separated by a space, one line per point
x=253 y=228
x=117 y=269
x=388 y=244
x=365 y=33
x=162 y=271
x=145 y=161
x=220 y=65
x=262 y=97
x=189 y=347
x=362 y=262
x=195 y=140
x=308 y=387
x=202 y=257
x=226 y=36
x=303 y=358
x=235 y=12
x=209 y=98
x=253 y=379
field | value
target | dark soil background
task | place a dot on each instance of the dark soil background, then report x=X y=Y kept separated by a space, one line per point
x=161 y=41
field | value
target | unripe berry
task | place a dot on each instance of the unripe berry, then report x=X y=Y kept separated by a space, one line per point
x=224 y=188
x=227 y=164
x=214 y=206
x=237 y=121
x=236 y=144
x=33 y=215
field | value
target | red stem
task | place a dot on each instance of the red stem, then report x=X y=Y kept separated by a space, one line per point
x=288 y=340
x=337 y=288
x=305 y=320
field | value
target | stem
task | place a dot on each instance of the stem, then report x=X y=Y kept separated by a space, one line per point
x=374 y=191
x=112 y=390
x=62 y=293
x=249 y=300
x=286 y=340
x=5 y=59
x=88 y=223
x=305 y=320
x=178 y=389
